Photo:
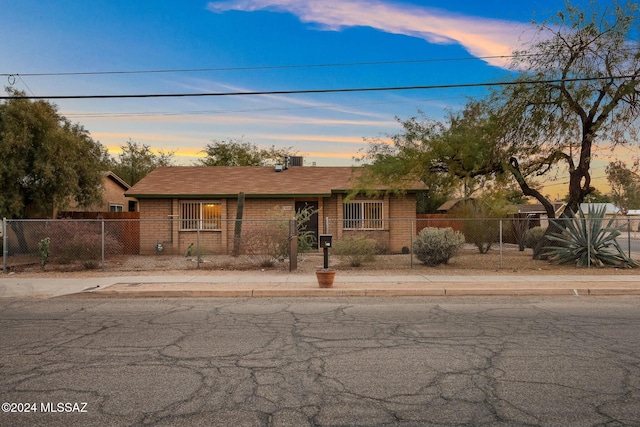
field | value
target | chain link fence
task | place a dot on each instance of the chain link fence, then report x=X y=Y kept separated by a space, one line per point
x=141 y=244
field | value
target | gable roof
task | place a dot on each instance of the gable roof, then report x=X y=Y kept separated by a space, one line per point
x=115 y=178
x=254 y=181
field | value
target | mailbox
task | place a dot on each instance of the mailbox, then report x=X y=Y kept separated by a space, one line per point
x=325 y=240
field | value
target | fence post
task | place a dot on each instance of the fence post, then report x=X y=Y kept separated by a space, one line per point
x=198 y=244
x=588 y=225
x=411 y=244
x=102 y=248
x=293 y=245
x=500 y=242
x=5 y=246
x=629 y=235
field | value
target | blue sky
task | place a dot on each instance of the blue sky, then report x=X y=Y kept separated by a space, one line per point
x=250 y=45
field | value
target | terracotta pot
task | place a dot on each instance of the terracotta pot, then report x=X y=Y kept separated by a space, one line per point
x=325 y=277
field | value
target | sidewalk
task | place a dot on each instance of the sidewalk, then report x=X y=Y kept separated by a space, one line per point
x=248 y=285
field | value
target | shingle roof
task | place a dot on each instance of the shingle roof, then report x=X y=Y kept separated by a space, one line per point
x=228 y=181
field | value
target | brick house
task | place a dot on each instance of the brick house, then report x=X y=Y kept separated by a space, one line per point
x=192 y=199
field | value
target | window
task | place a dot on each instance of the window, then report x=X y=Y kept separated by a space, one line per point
x=200 y=216
x=115 y=208
x=362 y=216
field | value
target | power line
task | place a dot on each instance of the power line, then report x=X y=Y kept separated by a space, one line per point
x=320 y=91
x=259 y=67
x=248 y=110
x=273 y=67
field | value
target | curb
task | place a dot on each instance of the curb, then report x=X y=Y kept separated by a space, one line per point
x=353 y=292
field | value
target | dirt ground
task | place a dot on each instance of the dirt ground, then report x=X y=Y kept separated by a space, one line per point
x=467 y=262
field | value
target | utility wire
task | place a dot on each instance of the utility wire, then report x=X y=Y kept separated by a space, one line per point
x=273 y=67
x=249 y=110
x=318 y=91
x=259 y=67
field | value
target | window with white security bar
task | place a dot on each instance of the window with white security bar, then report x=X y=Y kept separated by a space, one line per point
x=362 y=216
x=200 y=216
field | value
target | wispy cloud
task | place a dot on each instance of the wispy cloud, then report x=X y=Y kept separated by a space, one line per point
x=481 y=37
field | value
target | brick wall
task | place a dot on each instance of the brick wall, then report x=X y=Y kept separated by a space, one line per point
x=156 y=226
x=254 y=210
x=402 y=212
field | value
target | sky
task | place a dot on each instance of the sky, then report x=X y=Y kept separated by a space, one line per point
x=108 y=47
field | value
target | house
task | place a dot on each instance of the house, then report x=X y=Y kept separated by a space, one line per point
x=203 y=201
x=609 y=208
x=113 y=197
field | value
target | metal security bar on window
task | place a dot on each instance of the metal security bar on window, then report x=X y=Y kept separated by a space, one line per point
x=200 y=216
x=362 y=216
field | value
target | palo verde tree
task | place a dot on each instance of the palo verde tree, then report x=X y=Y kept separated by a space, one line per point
x=47 y=161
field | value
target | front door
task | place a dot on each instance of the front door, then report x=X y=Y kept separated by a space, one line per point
x=312 y=225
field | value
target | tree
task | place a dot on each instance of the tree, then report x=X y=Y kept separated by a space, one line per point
x=578 y=85
x=137 y=160
x=625 y=186
x=462 y=154
x=47 y=161
x=238 y=153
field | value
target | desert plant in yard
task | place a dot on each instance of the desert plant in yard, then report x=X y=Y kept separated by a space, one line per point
x=306 y=238
x=43 y=247
x=481 y=224
x=435 y=246
x=533 y=236
x=80 y=241
x=356 y=250
x=519 y=228
x=266 y=241
x=587 y=240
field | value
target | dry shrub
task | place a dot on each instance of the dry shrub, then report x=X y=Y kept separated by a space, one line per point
x=266 y=242
x=80 y=241
x=356 y=250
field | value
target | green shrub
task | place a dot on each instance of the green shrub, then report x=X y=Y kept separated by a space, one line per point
x=533 y=235
x=356 y=250
x=43 y=247
x=435 y=246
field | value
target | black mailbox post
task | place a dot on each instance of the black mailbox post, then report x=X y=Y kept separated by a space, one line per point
x=325 y=244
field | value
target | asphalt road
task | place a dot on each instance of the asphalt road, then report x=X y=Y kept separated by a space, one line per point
x=562 y=361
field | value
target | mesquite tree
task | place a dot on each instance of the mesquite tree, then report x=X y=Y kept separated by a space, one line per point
x=577 y=88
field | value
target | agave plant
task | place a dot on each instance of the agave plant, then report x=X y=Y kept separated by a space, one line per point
x=586 y=240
